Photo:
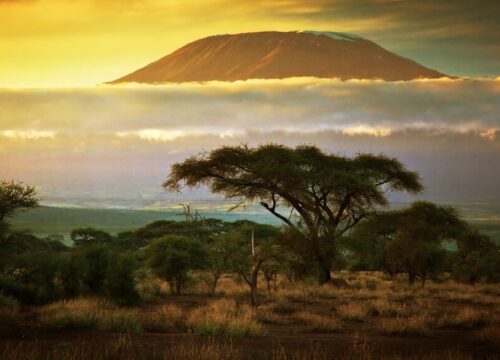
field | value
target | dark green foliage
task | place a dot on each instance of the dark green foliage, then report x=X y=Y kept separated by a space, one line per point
x=172 y=257
x=406 y=241
x=15 y=196
x=24 y=293
x=31 y=277
x=298 y=260
x=90 y=236
x=74 y=271
x=202 y=230
x=129 y=240
x=97 y=258
x=477 y=258
x=120 y=279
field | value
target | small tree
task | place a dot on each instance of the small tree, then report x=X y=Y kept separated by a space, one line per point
x=410 y=240
x=98 y=259
x=221 y=253
x=120 y=279
x=74 y=270
x=249 y=253
x=15 y=196
x=477 y=258
x=172 y=257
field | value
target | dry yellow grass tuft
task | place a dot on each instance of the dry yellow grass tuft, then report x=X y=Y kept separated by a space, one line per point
x=414 y=325
x=225 y=317
x=318 y=323
x=358 y=311
x=89 y=313
x=163 y=318
x=467 y=318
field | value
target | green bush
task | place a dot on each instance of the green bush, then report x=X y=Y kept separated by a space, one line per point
x=120 y=280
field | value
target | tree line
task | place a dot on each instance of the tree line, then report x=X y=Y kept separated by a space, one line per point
x=333 y=210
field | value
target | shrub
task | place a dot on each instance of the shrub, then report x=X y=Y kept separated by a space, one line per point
x=172 y=257
x=98 y=258
x=120 y=280
x=7 y=301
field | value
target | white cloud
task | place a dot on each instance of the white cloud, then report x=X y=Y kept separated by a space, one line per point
x=28 y=134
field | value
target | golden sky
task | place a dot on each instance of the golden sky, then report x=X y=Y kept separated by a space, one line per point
x=47 y=43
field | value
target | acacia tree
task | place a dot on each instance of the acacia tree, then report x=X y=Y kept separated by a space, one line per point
x=330 y=194
x=408 y=240
x=173 y=256
x=477 y=258
x=15 y=196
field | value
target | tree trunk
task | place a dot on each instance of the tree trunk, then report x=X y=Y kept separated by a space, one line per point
x=325 y=274
x=268 y=280
x=253 y=283
x=274 y=282
x=411 y=278
x=325 y=260
x=214 y=284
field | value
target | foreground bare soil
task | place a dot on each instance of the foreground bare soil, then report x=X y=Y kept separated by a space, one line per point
x=371 y=318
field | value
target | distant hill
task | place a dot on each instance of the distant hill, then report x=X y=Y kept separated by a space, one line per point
x=279 y=55
x=46 y=220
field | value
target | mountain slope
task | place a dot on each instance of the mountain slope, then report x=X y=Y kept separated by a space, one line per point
x=278 y=55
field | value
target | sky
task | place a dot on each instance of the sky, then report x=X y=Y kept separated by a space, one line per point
x=47 y=43
x=81 y=142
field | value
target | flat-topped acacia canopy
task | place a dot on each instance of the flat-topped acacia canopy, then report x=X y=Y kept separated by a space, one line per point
x=330 y=193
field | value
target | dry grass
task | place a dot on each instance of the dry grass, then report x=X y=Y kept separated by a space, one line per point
x=225 y=317
x=463 y=318
x=121 y=347
x=89 y=313
x=163 y=318
x=387 y=308
x=375 y=306
x=318 y=323
x=358 y=311
x=202 y=350
x=489 y=335
x=283 y=308
x=415 y=325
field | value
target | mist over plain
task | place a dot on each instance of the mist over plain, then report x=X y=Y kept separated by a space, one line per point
x=115 y=143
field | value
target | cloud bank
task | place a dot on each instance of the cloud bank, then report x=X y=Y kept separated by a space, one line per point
x=118 y=141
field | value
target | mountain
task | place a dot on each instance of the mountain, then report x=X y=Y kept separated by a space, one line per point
x=278 y=55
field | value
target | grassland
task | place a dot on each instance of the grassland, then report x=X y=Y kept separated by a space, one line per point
x=371 y=318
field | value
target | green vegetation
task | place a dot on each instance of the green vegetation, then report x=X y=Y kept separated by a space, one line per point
x=217 y=278
x=172 y=257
